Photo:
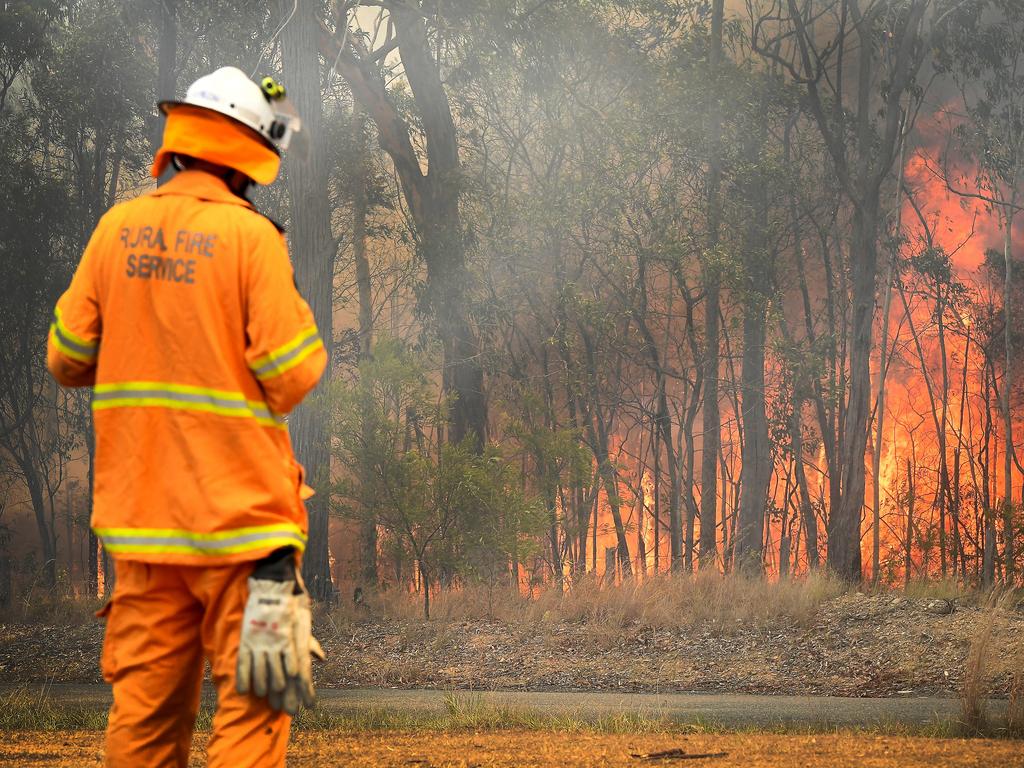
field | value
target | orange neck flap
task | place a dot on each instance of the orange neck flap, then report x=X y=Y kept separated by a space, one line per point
x=207 y=135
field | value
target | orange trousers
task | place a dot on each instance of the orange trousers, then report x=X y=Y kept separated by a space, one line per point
x=162 y=622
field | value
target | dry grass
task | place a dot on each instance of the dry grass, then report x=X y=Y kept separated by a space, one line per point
x=60 y=607
x=34 y=709
x=531 y=749
x=537 y=749
x=724 y=603
x=942 y=589
x=978 y=669
x=1015 y=705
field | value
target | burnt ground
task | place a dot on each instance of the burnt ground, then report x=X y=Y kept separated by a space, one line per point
x=852 y=645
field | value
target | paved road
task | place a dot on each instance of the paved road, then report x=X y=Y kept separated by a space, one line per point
x=724 y=710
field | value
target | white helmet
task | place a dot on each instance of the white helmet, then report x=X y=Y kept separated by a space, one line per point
x=260 y=107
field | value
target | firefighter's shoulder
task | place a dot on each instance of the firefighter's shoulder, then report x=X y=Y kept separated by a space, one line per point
x=259 y=215
x=112 y=220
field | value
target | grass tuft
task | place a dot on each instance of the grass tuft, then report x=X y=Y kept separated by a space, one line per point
x=727 y=603
x=940 y=589
x=26 y=709
x=978 y=671
x=58 y=607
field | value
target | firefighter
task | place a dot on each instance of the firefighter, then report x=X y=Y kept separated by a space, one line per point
x=184 y=317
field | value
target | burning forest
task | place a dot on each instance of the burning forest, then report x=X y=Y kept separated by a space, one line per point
x=703 y=288
x=613 y=357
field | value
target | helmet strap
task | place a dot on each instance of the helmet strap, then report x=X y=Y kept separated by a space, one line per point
x=237 y=182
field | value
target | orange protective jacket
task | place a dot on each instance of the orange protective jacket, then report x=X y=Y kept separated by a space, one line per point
x=184 y=315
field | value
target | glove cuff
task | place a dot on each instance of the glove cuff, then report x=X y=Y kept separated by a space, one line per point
x=279 y=565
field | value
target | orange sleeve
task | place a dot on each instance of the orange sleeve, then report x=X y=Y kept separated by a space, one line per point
x=284 y=350
x=74 y=341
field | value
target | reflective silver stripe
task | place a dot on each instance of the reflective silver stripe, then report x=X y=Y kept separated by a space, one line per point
x=239 y=403
x=262 y=412
x=72 y=344
x=144 y=394
x=289 y=355
x=201 y=544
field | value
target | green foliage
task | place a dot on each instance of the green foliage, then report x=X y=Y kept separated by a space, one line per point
x=452 y=510
x=980 y=47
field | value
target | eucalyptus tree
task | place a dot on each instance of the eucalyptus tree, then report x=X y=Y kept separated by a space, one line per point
x=981 y=50
x=416 y=132
x=69 y=157
x=885 y=45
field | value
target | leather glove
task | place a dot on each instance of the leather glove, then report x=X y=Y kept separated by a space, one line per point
x=276 y=644
x=299 y=686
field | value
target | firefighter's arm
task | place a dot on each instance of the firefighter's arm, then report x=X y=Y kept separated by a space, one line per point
x=74 y=341
x=285 y=352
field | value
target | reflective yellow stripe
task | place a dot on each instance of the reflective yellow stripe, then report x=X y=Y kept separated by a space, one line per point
x=181 y=542
x=70 y=344
x=303 y=335
x=184 y=549
x=59 y=319
x=159 y=394
x=287 y=356
x=67 y=349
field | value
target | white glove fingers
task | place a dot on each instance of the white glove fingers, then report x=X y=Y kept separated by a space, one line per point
x=277 y=647
x=291 y=697
x=276 y=700
x=291 y=659
x=308 y=694
x=276 y=665
x=259 y=676
x=243 y=670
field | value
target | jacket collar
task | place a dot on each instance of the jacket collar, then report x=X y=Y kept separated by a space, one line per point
x=202 y=186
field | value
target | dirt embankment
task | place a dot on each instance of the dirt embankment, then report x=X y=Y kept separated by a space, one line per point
x=852 y=645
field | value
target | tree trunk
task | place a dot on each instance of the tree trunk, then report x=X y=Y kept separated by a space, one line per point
x=756 y=461
x=69 y=532
x=988 y=560
x=844 y=555
x=167 y=53
x=662 y=421
x=5 y=575
x=425 y=586
x=314 y=271
x=875 y=145
x=610 y=481
x=47 y=536
x=1008 y=449
x=94 y=545
x=955 y=502
x=433 y=201
x=810 y=523
x=368 y=525
x=656 y=511
x=883 y=367
x=755 y=455
x=711 y=418
x=909 y=533
x=439 y=228
x=598 y=431
x=109 y=577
